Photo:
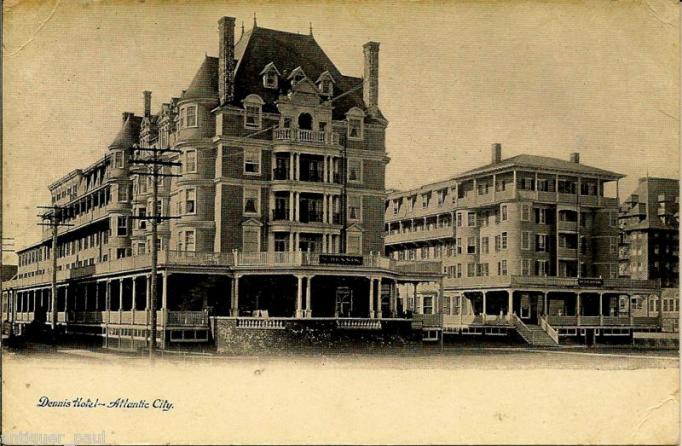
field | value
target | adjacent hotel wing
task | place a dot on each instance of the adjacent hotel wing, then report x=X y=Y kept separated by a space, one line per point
x=524 y=241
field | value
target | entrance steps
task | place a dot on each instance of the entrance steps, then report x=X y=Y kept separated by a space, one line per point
x=536 y=336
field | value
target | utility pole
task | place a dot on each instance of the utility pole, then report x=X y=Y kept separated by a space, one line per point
x=156 y=163
x=54 y=218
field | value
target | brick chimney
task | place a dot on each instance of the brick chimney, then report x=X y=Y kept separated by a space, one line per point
x=496 y=152
x=226 y=59
x=147 y=103
x=575 y=157
x=370 y=82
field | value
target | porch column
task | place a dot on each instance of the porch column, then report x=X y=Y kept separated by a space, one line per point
x=66 y=298
x=325 y=213
x=485 y=305
x=297 y=210
x=371 y=297
x=545 y=306
x=291 y=166
x=97 y=296
x=148 y=281
x=234 y=298
x=85 y=304
x=510 y=303
x=601 y=312
x=441 y=292
x=415 y=303
x=324 y=241
x=134 y=302
x=291 y=206
x=120 y=297
x=299 y=298
x=297 y=156
x=378 y=309
x=577 y=308
x=291 y=241
x=393 y=300
x=632 y=318
x=308 y=290
x=164 y=290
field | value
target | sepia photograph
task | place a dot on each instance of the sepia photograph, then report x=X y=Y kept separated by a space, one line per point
x=380 y=222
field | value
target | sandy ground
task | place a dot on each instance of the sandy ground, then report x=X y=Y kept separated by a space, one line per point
x=460 y=395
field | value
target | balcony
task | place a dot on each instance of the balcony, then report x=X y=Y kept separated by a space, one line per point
x=280 y=214
x=419 y=236
x=567 y=253
x=312 y=137
x=589 y=200
x=310 y=217
x=564 y=225
x=316 y=176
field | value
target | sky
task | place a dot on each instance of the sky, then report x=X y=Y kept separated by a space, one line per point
x=545 y=78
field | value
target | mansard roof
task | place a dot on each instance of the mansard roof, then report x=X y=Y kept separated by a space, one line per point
x=261 y=46
x=205 y=82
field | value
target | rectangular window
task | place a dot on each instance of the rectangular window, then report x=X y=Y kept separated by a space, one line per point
x=525 y=212
x=485 y=245
x=503 y=212
x=118 y=160
x=541 y=242
x=471 y=245
x=525 y=267
x=525 y=240
x=502 y=268
x=122 y=226
x=141 y=223
x=122 y=192
x=252 y=116
x=459 y=270
x=252 y=161
x=483 y=270
x=459 y=219
x=355 y=128
x=471 y=219
x=190 y=165
x=354 y=207
x=189 y=241
x=503 y=241
x=354 y=244
x=250 y=239
x=354 y=171
x=540 y=216
x=191 y=116
x=251 y=201
x=459 y=246
x=543 y=185
x=541 y=267
x=190 y=201
x=471 y=269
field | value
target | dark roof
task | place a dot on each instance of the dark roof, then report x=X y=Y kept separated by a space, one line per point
x=7 y=272
x=541 y=162
x=129 y=133
x=260 y=46
x=205 y=82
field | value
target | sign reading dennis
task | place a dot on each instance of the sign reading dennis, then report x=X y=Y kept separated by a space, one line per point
x=590 y=281
x=336 y=259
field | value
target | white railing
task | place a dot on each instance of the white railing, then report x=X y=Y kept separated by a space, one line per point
x=187 y=318
x=551 y=332
x=523 y=330
x=256 y=323
x=359 y=324
x=305 y=136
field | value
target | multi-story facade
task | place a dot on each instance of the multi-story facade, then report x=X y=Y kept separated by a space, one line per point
x=649 y=241
x=528 y=236
x=279 y=196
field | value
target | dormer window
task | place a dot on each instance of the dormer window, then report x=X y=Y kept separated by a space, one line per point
x=270 y=76
x=355 y=118
x=326 y=84
x=253 y=106
x=296 y=76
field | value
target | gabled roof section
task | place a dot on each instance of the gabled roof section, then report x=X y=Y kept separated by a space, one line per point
x=541 y=162
x=270 y=67
x=129 y=133
x=205 y=82
x=325 y=76
x=261 y=46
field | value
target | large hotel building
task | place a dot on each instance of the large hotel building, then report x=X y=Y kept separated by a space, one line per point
x=280 y=198
x=527 y=243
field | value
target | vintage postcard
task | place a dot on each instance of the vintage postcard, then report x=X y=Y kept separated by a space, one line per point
x=380 y=222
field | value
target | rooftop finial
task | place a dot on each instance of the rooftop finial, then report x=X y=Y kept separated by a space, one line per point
x=254 y=20
x=242 y=27
x=311 y=28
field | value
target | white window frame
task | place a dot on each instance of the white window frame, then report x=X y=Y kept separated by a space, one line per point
x=525 y=240
x=255 y=101
x=118 y=160
x=355 y=114
x=255 y=229
x=525 y=211
x=357 y=235
x=257 y=192
x=525 y=267
x=504 y=212
x=193 y=233
x=123 y=218
x=504 y=240
x=186 y=164
x=544 y=239
x=186 y=200
x=359 y=170
x=348 y=213
x=184 y=113
x=253 y=150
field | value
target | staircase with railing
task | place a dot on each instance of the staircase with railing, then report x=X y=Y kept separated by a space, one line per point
x=533 y=334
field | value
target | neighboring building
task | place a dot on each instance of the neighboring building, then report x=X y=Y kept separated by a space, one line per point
x=649 y=241
x=529 y=235
x=649 y=222
x=280 y=198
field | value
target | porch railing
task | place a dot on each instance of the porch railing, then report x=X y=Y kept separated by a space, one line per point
x=525 y=332
x=359 y=324
x=551 y=332
x=187 y=318
x=268 y=324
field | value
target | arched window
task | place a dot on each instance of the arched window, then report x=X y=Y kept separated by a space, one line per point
x=326 y=84
x=355 y=118
x=305 y=121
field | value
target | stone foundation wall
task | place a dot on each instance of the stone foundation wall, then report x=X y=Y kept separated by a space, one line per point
x=306 y=334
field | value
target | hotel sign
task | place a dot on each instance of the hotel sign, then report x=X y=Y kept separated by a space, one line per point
x=336 y=259
x=590 y=281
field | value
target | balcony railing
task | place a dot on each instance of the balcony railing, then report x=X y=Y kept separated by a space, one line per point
x=306 y=136
x=423 y=235
x=310 y=217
